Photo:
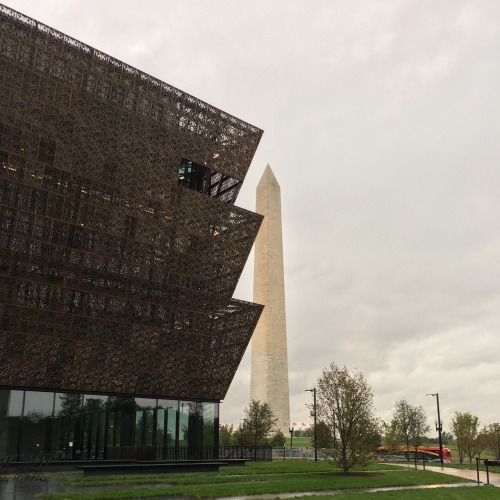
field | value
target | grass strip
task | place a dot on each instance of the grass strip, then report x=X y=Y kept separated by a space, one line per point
x=226 y=474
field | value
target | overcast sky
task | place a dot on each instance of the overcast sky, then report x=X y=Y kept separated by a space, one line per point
x=381 y=123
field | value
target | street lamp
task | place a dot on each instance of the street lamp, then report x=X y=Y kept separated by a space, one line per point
x=241 y=436
x=439 y=427
x=290 y=430
x=314 y=412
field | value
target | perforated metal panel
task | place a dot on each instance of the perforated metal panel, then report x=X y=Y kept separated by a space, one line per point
x=116 y=276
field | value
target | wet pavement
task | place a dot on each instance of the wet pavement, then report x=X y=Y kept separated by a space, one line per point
x=494 y=477
x=27 y=489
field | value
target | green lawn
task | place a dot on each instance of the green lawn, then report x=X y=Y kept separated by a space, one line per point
x=474 y=492
x=299 y=442
x=252 y=479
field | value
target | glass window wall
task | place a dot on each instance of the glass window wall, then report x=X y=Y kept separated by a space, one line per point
x=73 y=426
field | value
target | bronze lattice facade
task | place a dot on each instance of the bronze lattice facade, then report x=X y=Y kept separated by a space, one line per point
x=120 y=244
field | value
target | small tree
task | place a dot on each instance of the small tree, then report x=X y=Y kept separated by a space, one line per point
x=241 y=436
x=278 y=439
x=465 y=426
x=345 y=406
x=409 y=425
x=391 y=439
x=323 y=436
x=418 y=429
x=259 y=422
x=309 y=432
x=479 y=444
x=493 y=439
x=447 y=437
x=226 y=435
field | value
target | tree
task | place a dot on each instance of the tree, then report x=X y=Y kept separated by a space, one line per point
x=465 y=426
x=391 y=437
x=278 y=439
x=408 y=425
x=446 y=437
x=309 y=432
x=345 y=406
x=493 y=439
x=479 y=444
x=259 y=422
x=226 y=435
x=323 y=436
x=239 y=437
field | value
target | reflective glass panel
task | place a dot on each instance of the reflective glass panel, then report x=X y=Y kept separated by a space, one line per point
x=144 y=415
x=184 y=412
x=36 y=423
x=121 y=423
x=11 y=405
x=191 y=429
x=208 y=424
x=94 y=419
x=66 y=426
x=166 y=422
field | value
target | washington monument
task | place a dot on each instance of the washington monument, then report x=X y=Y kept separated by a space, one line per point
x=269 y=373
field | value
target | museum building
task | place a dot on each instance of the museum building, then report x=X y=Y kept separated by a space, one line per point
x=120 y=250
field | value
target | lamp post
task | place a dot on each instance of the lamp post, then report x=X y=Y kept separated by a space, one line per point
x=439 y=427
x=290 y=430
x=314 y=414
x=242 y=429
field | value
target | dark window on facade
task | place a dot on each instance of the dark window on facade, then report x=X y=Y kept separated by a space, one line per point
x=194 y=176
x=51 y=178
x=202 y=179
x=55 y=206
x=130 y=226
x=47 y=150
x=5 y=187
x=75 y=238
x=38 y=200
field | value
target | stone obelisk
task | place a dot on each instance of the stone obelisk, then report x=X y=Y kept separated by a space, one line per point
x=269 y=372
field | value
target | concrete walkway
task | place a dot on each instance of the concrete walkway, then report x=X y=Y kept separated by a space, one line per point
x=467 y=474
